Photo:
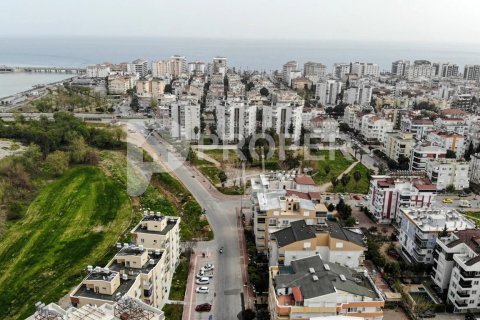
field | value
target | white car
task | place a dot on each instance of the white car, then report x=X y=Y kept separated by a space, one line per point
x=361 y=204
x=202 y=290
x=202 y=274
x=208 y=267
x=203 y=280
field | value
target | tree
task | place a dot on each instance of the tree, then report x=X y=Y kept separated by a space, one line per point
x=92 y=157
x=345 y=179
x=264 y=92
x=31 y=158
x=451 y=154
x=135 y=104
x=291 y=128
x=327 y=169
x=334 y=182
x=291 y=161
x=153 y=103
x=78 y=149
x=450 y=188
x=357 y=176
x=196 y=130
x=168 y=88
x=469 y=151
x=18 y=176
x=223 y=177
x=191 y=156
x=331 y=207
x=56 y=163
x=350 y=222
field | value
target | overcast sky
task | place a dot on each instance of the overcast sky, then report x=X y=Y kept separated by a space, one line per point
x=385 y=20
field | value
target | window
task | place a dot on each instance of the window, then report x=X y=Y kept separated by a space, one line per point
x=142 y=240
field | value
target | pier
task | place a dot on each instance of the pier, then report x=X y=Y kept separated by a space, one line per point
x=65 y=70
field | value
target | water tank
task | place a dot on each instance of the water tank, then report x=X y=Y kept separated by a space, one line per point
x=89 y=268
x=157 y=252
x=124 y=276
x=140 y=247
x=106 y=270
x=151 y=261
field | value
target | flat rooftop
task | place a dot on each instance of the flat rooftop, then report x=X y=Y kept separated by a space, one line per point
x=124 y=287
x=171 y=222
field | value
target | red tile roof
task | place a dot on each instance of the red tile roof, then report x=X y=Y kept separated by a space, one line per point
x=297 y=294
x=305 y=180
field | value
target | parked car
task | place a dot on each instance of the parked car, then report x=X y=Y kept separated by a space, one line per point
x=203 y=307
x=357 y=222
x=203 y=274
x=203 y=280
x=360 y=204
x=447 y=200
x=356 y=197
x=208 y=267
x=464 y=194
x=202 y=290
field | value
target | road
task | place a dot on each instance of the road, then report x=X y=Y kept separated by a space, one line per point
x=221 y=214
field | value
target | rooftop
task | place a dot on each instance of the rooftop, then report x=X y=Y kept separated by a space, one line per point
x=429 y=220
x=315 y=278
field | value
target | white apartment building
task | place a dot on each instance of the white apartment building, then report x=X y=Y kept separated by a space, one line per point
x=456 y=269
x=235 y=119
x=400 y=68
x=340 y=70
x=286 y=110
x=423 y=152
x=419 y=230
x=219 y=66
x=449 y=172
x=420 y=69
x=445 y=70
x=363 y=69
x=419 y=127
x=472 y=72
x=375 y=128
x=324 y=128
x=451 y=125
x=139 y=67
x=475 y=168
x=196 y=67
x=98 y=71
x=142 y=270
x=185 y=117
x=387 y=194
x=327 y=91
x=361 y=95
x=287 y=69
x=398 y=144
x=117 y=84
x=351 y=113
x=453 y=142
x=314 y=71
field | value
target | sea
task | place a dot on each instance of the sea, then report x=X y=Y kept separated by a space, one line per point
x=263 y=55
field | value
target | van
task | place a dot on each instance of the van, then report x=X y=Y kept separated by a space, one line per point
x=465 y=204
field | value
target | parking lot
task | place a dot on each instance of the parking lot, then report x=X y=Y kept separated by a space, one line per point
x=194 y=299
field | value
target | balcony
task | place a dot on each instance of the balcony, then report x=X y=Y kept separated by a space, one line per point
x=461 y=304
x=465 y=284
x=435 y=254
x=463 y=294
x=469 y=274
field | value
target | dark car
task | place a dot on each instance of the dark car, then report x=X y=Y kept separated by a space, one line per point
x=203 y=307
x=427 y=314
x=464 y=195
x=356 y=197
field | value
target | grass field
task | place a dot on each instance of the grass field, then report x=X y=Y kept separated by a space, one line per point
x=72 y=223
x=337 y=164
x=352 y=186
x=211 y=172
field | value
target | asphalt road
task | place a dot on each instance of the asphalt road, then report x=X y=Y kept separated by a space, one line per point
x=221 y=214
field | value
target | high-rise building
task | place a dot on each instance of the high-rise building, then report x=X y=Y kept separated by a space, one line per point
x=196 y=67
x=235 y=119
x=363 y=69
x=219 y=65
x=420 y=69
x=340 y=70
x=173 y=67
x=400 y=68
x=472 y=72
x=139 y=67
x=314 y=69
x=287 y=70
x=327 y=91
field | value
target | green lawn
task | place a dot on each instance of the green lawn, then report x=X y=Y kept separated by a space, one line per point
x=211 y=172
x=73 y=222
x=218 y=155
x=173 y=311
x=354 y=187
x=337 y=164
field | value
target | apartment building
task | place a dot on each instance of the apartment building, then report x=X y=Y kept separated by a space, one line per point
x=173 y=67
x=301 y=83
x=400 y=68
x=361 y=94
x=423 y=152
x=419 y=127
x=351 y=113
x=449 y=172
x=125 y=308
x=398 y=144
x=184 y=117
x=327 y=92
x=98 y=71
x=314 y=71
x=325 y=129
x=448 y=141
x=387 y=194
x=235 y=119
x=219 y=66
x=419 y=230
x=472 y=72
x=475 y=168
x=287 y=69
x=332 y=243
x=445 y=70
x=420 y=69
x=139 y=67
x=451 y=125
x=312 y=287
x=150 y=88
x=118 y=84
x=363 y=69
x=285 y=111
x=276 y=210
x=340 y=70
x=456 y=269
x=196 y=67
x=375 y=128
